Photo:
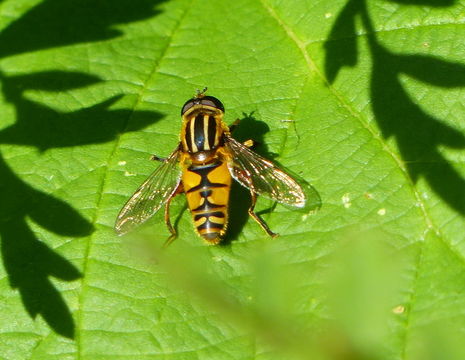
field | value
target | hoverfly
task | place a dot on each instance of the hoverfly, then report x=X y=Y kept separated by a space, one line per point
x=202 y=167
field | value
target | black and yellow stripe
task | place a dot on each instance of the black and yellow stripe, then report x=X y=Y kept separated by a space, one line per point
x=205 y=178
x=207 y=189
x=201 y=133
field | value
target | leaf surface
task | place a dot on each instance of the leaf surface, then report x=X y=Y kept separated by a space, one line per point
x=364 y=100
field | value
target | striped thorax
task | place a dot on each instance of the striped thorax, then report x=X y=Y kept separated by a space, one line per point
x=202 y=128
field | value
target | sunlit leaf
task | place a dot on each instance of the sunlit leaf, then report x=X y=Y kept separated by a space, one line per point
x=361 y=99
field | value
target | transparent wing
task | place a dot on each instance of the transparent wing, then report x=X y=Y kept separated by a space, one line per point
x=151 y=195
x=264 y=178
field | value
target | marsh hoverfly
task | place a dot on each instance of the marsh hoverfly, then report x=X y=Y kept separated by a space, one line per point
x=202 y=167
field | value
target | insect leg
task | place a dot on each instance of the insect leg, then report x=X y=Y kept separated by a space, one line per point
x=167 y=217
x=157 y=158
x=161 y=159
x=250 y=143
x=260 y=222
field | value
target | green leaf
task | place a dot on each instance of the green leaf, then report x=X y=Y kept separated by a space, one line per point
x=364 y=100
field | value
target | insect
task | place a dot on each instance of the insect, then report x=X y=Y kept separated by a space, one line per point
x=202 y=167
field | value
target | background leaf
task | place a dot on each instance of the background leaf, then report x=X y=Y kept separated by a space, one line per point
x=362 y=99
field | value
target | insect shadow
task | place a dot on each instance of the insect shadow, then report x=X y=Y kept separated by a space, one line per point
x=418 y=134
x=247 y=128
x=28 y=261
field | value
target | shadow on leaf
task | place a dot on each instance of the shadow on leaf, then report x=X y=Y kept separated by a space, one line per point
x=27 y=260
x=55 y=23
x=418 y=134
x=30 y=263
x=45 y=128
x=247 y=128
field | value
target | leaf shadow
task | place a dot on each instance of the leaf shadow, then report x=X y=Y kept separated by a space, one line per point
x=30 y=263
x=45 y=128
x=418 y=134
x=55 y=23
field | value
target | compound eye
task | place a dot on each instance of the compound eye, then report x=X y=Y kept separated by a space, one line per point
x=189 y=103
x=213 y=102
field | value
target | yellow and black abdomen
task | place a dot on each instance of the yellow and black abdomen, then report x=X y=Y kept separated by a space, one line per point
x=207 y=188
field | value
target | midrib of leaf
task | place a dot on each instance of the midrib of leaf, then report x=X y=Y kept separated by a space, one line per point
x=381 y=32
x=385 y=147
x=101 y=188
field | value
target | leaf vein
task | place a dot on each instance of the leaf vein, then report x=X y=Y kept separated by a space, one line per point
x=380 y=32
x=101 y=189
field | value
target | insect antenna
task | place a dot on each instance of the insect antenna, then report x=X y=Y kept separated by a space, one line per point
x=201 y=94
